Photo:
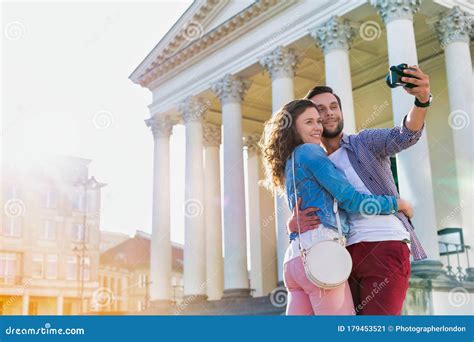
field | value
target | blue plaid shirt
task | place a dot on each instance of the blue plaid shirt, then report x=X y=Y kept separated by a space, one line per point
x=369 y=154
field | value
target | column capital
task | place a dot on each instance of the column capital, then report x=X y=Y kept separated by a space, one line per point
x=193 y=108
x=161 y=127
x=212 y=135
x=396 y=9
x=231 y=88
x=251 y=142
x=281 y=62
x=337 y=33
x=454 y=26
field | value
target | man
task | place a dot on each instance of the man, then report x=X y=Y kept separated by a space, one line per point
x=378 y=244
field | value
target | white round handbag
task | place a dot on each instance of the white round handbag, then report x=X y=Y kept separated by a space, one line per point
x=327 y=264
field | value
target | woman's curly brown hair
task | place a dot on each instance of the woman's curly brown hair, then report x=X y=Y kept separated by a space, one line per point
x=278 y=141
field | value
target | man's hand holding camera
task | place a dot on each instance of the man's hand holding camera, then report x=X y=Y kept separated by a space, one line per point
x=421 y=81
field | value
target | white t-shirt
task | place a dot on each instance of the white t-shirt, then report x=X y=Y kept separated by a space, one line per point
x=373 y=228
x=308 y=239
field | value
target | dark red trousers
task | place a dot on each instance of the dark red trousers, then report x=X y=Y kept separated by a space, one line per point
x=379 y=278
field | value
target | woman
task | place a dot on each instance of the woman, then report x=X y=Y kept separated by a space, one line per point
x=297 y=128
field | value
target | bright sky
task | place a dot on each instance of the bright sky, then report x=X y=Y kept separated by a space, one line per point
x=65 y=90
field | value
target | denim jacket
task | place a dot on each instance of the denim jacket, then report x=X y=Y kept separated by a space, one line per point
x=318 y=182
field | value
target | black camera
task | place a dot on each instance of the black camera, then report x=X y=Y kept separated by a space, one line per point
x=395 y=74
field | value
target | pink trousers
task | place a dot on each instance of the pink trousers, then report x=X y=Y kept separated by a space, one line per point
x=305 y=298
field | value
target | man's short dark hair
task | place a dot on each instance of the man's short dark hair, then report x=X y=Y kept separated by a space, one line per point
x=321 y=90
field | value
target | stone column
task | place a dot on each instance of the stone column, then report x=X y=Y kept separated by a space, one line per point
x=335 y=38
x=160 y=244
x=413 y=165
x=263 y=258
x=281 y=64
x=59 y=305
x=230 y=90
x=192 y=110
x=453 y=30
x=25 y=304
x=212 y=181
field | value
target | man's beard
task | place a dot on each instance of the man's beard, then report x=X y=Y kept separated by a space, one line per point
x=334 y=133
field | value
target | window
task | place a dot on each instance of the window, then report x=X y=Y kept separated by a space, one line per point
x=48 y=231
x=52 y=266
x=12 y=226
x=78 y=233
x=33 y=308
x=119 y=287
x=37 y=266
x=142 y=280
x=91 y=201
x=8 y=265
x=74 y=268
x=71 y=268
x=67 y=309
x=79 y=200
x=140 y=305
x=50 y=199
x=87 y=268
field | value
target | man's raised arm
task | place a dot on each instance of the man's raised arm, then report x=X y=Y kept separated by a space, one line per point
x=386 y=142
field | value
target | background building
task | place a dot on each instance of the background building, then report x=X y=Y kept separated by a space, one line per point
x=124 y=276
x=49 y=236
x=111 y=239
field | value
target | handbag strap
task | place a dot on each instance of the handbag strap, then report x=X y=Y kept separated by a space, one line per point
x=335 y=210
x=303 y=251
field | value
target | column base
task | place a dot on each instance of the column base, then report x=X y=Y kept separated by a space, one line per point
x=236 y=293
x=194 y=298
x=427 y=269
x=470 y=274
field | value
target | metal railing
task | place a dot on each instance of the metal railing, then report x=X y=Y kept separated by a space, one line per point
x=454 y=254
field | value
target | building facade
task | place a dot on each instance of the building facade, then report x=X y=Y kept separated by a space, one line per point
x=226 y=66
x=124 y=276
x=49 y=237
